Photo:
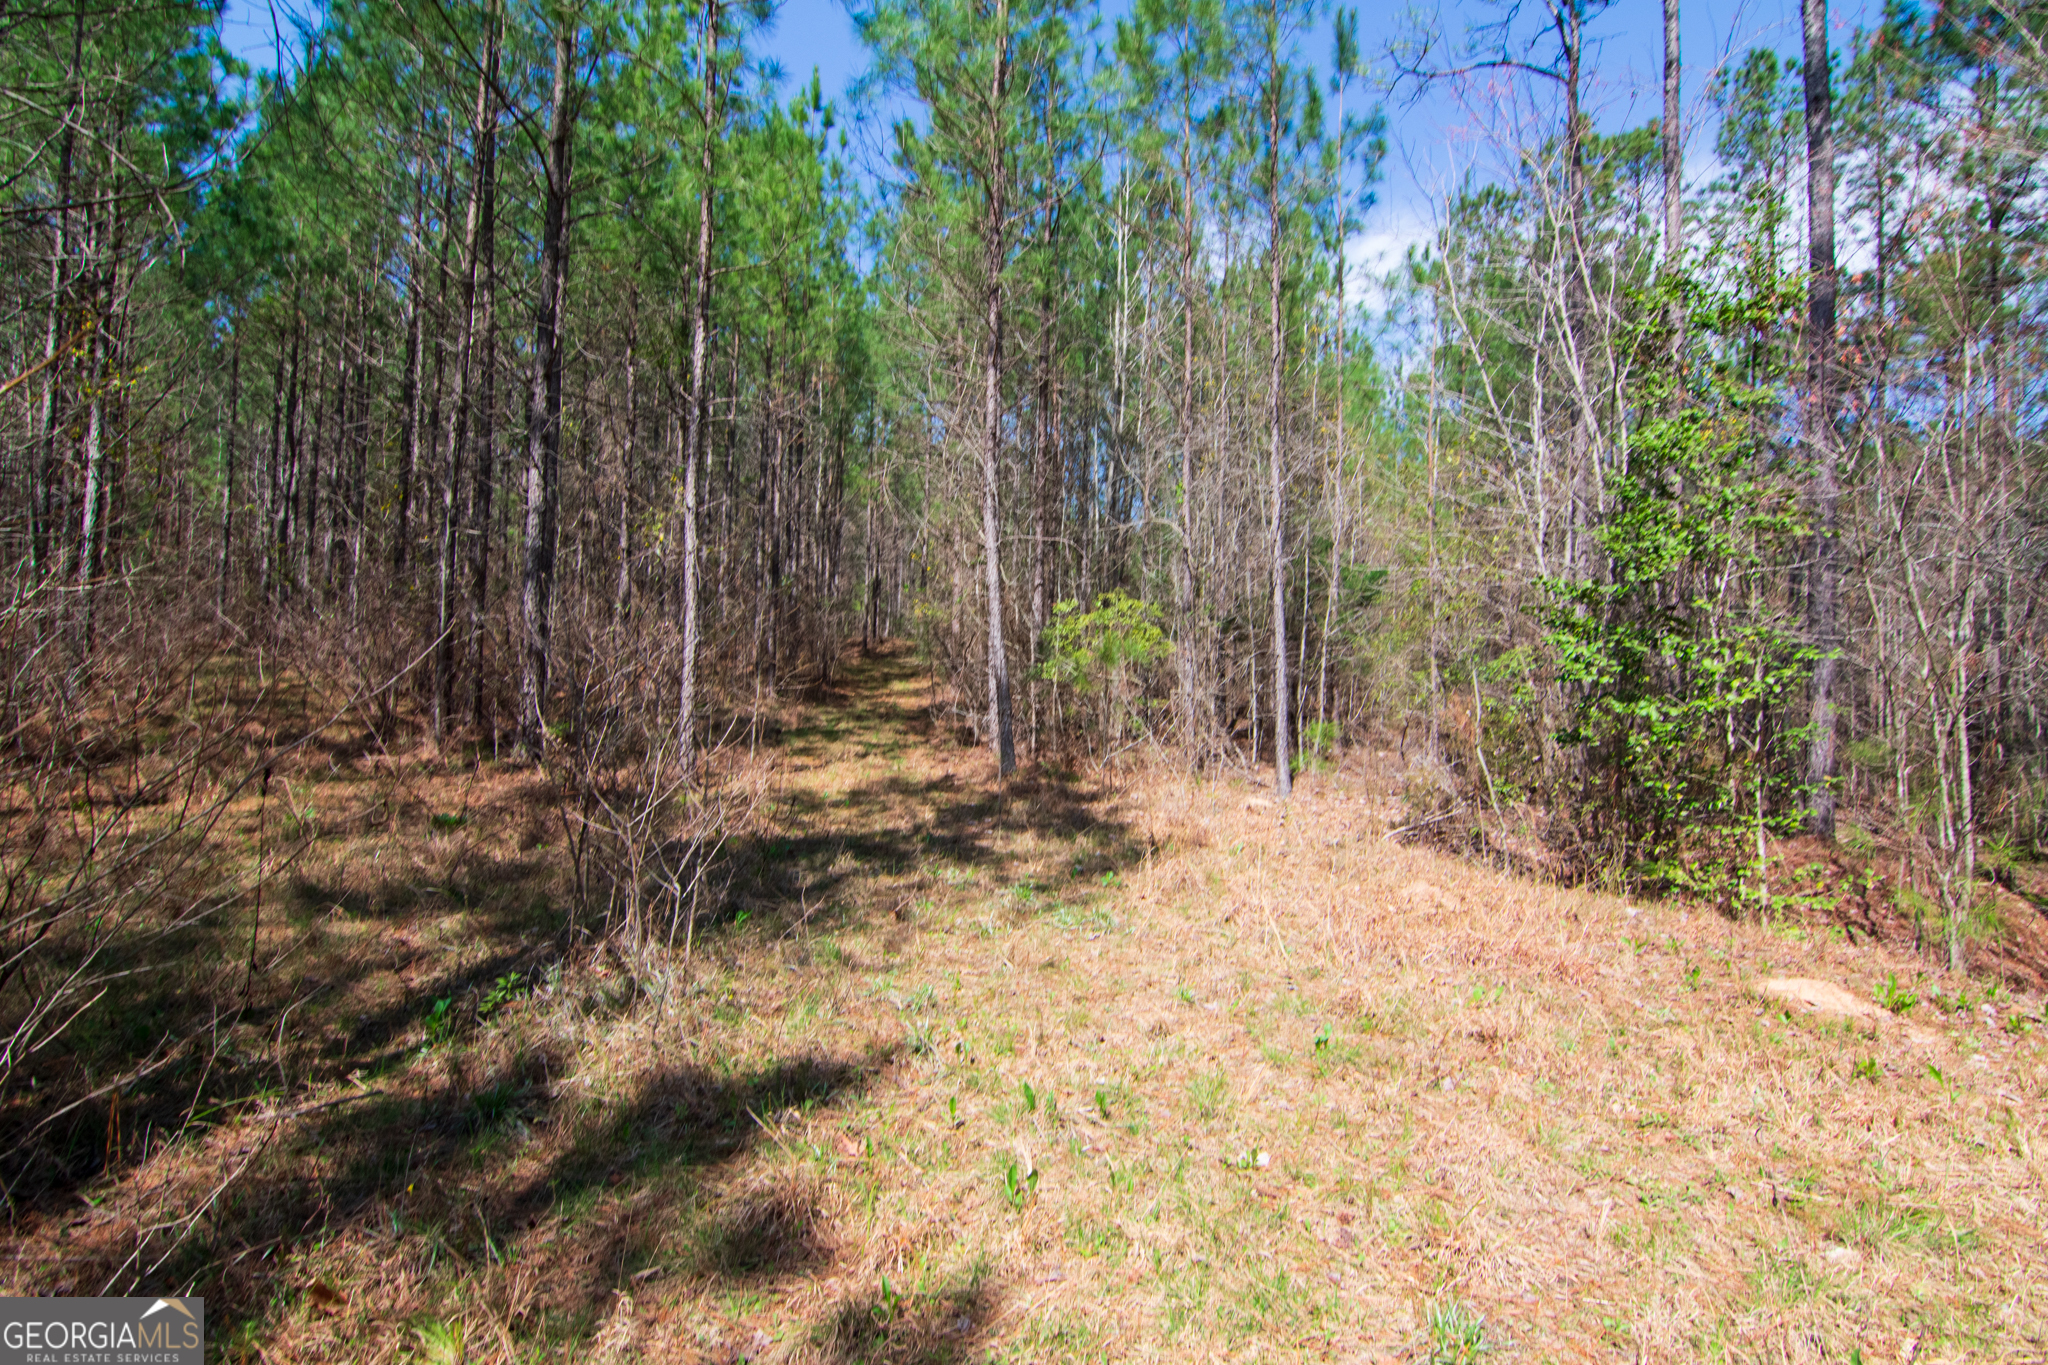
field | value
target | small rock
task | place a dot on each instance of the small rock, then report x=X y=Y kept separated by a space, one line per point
x=1819 y=997
x=1842 y=1258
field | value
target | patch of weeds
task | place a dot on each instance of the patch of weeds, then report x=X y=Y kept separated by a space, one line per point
x=1094 y=1237
x=1876 y=1222
x=1789 y=1281
x=1895 y=997
x=1271 y=1304
x=493 y=1106
x=1019 y=1183
x=1089 y=918
x=1457 y=1334
x=1867 y=1070
x=440 y=1022
x=448 y=820
x=1064 y=1337
x=1207 y=1093
x=439 y=1343
x=1959 y=1003
x=500 y=993
x=1186 y=1296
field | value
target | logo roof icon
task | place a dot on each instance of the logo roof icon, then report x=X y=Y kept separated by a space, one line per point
x=162 y=1304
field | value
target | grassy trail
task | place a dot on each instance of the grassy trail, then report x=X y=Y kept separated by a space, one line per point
x=1157 y=1072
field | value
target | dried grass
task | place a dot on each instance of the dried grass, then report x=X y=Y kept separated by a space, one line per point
x=1162 y=1073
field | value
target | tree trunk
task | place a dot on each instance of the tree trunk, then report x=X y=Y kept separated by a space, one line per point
x=42 y=497
x=227 y=479
x=1001 y=727
x=1674 y=177
x=484 y=468
x=458 y=408
x=1824 y=582
x=1283 y=771
x=629 y=447
x=544 y=406
x=1196 y=724
x=694 y=410
x=92 y=459
x=412 y=394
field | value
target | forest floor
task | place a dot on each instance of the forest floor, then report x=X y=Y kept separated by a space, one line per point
x=1151 y=1068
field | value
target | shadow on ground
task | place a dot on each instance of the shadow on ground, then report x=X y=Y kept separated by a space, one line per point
x=467 y=1143
x=504 y=1162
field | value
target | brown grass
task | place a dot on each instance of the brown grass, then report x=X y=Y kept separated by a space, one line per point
x=1154 y=1070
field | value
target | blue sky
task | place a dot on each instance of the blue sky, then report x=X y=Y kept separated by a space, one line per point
x=1436 y=136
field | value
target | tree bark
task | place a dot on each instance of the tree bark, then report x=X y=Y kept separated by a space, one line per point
x=693 y=412
x=1674 y=169
x=415 y=369
x=1002 y=734
x=1283 y=770
x=1824 y=581
x=227 y=479
x=458 y=409
x=1196 y=710
x=629 y=448
x=544 y=405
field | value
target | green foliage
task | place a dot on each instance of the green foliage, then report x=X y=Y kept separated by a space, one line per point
x=440 y=1021
x=1318 y=744
x=1103 y=652
x=1020 y=1183
x=1678 y=663
x=1091 y=650
x=1895 y=997
x=1457 y=1334
x=507 y=988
